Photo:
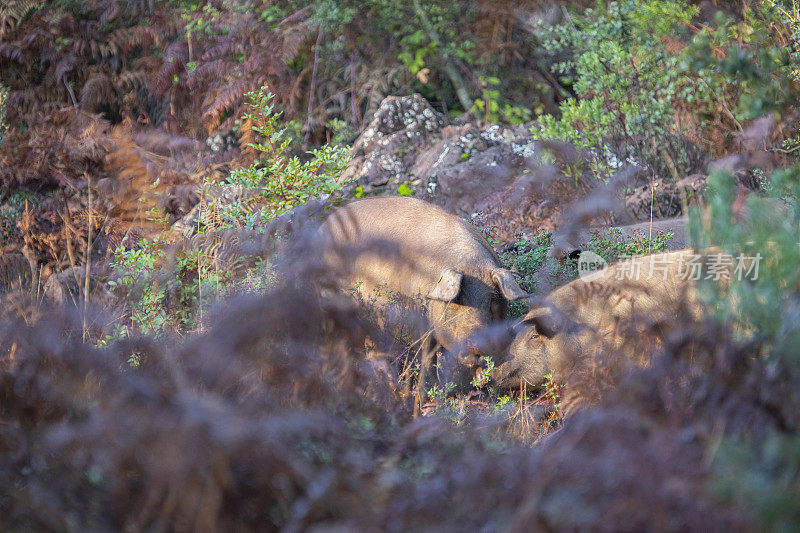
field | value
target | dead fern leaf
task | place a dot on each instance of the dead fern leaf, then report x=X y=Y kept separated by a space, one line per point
x=12 y=52
x=12 y=13
x=98 y=91
x=224 y=102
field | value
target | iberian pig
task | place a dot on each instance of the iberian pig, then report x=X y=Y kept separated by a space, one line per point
x=400 y=246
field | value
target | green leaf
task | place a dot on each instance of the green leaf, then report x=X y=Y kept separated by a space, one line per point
x=405 y=190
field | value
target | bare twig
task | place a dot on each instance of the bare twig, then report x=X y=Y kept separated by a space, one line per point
x=67 y=219
x=88 y=261
x=783 y=150
x=449 y=67
x=353 y=96
x=313 y=85
x=71 y=94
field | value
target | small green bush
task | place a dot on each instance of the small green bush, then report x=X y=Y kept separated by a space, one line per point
x=625 y=81
x=280 y=182
x=529 y=257
x=762 y=308
x=631 y=88
x=167 y=287
x=612 y=246
x=742 y=68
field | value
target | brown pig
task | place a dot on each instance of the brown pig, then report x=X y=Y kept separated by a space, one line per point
x=399 y=246
x=597 y=310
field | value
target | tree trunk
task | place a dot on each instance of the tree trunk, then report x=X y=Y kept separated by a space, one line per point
x=449 y=66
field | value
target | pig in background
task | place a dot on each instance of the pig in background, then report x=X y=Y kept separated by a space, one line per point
x=572 y=245
x=608 y=310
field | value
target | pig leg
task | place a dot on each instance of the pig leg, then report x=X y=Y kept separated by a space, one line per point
x=427 y=358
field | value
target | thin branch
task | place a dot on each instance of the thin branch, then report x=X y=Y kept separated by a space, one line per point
x=67 y=219
x=313 y=84
x=449 y=68
x=353 y=96
x=71 y=94
x=88 y=262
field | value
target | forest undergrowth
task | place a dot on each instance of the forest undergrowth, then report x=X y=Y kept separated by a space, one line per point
x=171 y=356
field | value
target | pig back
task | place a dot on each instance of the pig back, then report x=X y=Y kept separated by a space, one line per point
x=402 y=245
x=654 y=287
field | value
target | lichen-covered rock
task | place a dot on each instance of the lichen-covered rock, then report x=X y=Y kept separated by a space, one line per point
x=68 y=288
x=222 y=141
x=470 y=163
x=385 y=150
x=409 y=115
x=456 y=167
x=463 y=188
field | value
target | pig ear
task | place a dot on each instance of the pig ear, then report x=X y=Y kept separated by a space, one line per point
x=507 y=284
x=544 y=320
x=448 y=286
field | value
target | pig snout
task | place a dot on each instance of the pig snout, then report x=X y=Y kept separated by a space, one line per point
x=488 y=342
x=471 y=356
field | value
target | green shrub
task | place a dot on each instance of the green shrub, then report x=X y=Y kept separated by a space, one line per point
x=631 y=87
x=169 y=287
x=762 y=308
x=625 y=81
x=741 y=67
x=280 y=182
x=789 y=14
x=612 y=246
